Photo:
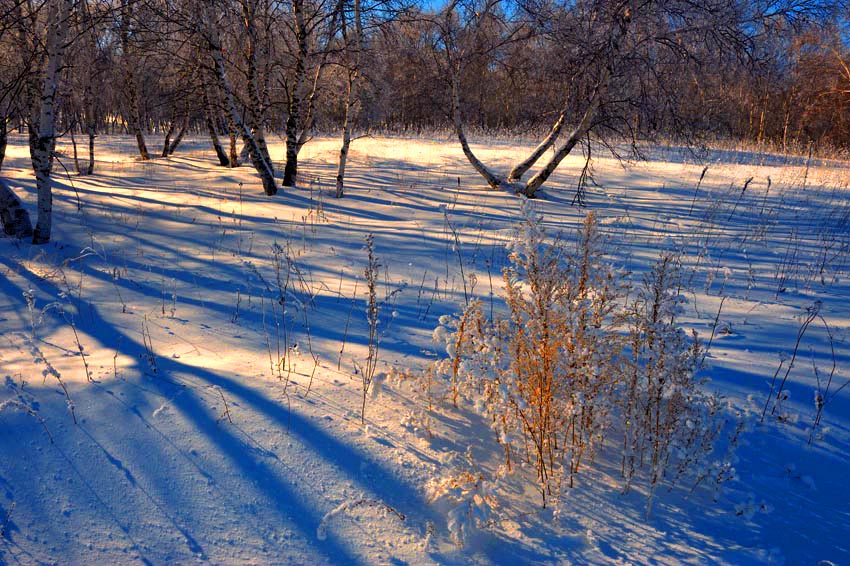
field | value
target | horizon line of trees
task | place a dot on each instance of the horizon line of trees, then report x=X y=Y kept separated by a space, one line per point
x=582 y=71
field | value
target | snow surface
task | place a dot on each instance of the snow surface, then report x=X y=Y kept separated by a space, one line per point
x=191 y=447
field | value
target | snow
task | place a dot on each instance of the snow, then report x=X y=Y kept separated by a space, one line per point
x=222 y=330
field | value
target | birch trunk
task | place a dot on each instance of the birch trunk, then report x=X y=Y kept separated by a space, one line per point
x=4 y=139
x=290 y=170
x=491 y=178
x=346 y=134
x=184 y=126
x=42 y=152
x=211 y=127
x=167 y=141
x=255 y=111
x=260 y=164
x=134 y=120
x=15 y=218
x=595 y=102
x=618 y=32
x=577 y=134
x=350 y=96
x=521 y=168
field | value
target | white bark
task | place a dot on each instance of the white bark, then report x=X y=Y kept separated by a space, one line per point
x=134 y=119
x=350 y=95
x=513 y=181
x=492 y=179
x=521 y=168
x=258 y=160
x=42 y=149
x=347 y=121
x=255 y=111
x=210 y=116
x=595 y=102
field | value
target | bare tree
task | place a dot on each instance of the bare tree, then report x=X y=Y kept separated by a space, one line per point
x=619 y=53
x=130 y=67
x=352 y=65
x=209 y=33
x=58 y=16
x=309 y=38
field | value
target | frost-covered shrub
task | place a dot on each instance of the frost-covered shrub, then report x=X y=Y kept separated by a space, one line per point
x=669 y=423
x=573 y=362
x=543 y=374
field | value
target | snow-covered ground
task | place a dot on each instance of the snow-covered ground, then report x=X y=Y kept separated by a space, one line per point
x=192 y=444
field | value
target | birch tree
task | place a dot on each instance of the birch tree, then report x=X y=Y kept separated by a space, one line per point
x=211 y=39
x=130 y=65
x=354 y=47
x=58 y=16
x=310 y=33
x=619 y=54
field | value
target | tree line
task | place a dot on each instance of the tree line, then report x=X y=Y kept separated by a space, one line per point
x=582 y=72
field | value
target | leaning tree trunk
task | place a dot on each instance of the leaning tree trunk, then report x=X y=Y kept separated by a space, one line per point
x=521 y=168
x=211 y=126
x=42 y=149
x=260 y=164
x=184 y=126
x=166 y=143
x=255 y=108
x=494 y=181
x=223 y=160
x=590 y=113
x=513 y=181
x=15 y=218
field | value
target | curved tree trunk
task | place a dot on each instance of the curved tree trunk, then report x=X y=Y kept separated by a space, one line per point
x=215 y=50
x=167 y=141
x=223 y=160
x=184 y=126
x=255 y=110
x=620 y=28
x=494 y=181
x=521 y=168
x=351 y=108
